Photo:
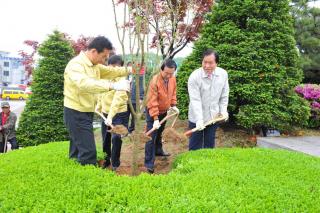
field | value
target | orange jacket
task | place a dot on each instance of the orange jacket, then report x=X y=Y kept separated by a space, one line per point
x=159 y=98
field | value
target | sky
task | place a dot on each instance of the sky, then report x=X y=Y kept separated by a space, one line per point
x=35 y=19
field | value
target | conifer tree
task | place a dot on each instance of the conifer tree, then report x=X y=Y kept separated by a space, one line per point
x=42 y=118
x=255 y=40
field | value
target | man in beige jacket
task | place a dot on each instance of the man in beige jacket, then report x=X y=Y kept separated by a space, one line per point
x=84 y=79
x=113 y=105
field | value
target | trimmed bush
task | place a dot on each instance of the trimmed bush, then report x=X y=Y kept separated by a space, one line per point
x=42 y=118
x=257 y=48
x=43 y=179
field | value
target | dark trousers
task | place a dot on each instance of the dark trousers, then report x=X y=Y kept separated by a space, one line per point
x=132 y=124
x=155 y=144
x=2 y=144
x=202 y=139
x=82 y=145
x=13 y=142
x=108 y=138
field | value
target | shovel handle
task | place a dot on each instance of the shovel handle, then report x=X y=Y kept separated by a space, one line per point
x=189 y=132
x=103 y=117
x=161 y=122
x=174 y=121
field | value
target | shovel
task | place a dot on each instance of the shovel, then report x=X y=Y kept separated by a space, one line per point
x=103 y=117
x=216 y=119
x=114 y=129
x=162 y=121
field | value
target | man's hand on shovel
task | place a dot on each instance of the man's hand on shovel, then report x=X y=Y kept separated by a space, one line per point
x=106 y=120
x=220 y=117
x=174 y=109
x=157 y=124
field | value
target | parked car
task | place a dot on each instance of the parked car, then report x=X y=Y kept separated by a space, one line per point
x=9 y=88
x=13 y=94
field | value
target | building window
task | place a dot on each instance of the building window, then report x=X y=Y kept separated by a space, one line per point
x=6 y=64
x=5 y=73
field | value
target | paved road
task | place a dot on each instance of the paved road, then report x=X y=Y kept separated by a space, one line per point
x=308 y=144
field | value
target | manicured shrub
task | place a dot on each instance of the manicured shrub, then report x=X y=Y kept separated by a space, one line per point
x=311 y=92
x=43 y=179
x=257 y=48
x=42 y=118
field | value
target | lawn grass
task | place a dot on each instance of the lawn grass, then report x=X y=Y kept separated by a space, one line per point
x=43 y=179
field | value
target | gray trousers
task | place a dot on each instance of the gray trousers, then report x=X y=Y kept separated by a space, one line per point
x=82 y=145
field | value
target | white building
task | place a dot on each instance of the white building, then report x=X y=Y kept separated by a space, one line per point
x=11 y=69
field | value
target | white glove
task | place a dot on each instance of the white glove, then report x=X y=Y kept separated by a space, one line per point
x=121 y=85
x=108 y=122
x=200 y=125
x=129 y=69
x=175 y=109
x=156 y=124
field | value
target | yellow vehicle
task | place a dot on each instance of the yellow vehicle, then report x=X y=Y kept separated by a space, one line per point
x=14 y=94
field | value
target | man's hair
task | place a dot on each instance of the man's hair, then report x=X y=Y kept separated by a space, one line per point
x=169 y=63
x=115 y=60
x=100 y=43
x=211 y=52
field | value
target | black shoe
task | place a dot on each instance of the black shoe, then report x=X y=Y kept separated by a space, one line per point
x=106 y=164
x=150 y=170
x=164 y=154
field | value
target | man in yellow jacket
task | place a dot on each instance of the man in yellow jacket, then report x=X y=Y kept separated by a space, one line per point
x=113 y=105
x=85 y=77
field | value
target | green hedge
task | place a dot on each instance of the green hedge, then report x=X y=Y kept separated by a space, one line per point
x=43 y=179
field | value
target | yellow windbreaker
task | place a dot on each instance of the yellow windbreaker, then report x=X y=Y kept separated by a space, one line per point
x=83 y=82
x=113 y=102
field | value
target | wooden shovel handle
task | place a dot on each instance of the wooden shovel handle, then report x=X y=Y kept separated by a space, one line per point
x=214 y=120
x=174 y=121
x=161 y=122
x=103 y=117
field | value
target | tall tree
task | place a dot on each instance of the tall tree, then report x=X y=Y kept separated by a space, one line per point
x=257 y=48
x=307 y=34
x=42 y=118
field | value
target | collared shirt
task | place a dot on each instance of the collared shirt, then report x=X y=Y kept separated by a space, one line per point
x=208 y=95
x=83 y=81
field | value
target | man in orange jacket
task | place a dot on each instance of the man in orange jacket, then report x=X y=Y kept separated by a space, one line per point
x=161 y=98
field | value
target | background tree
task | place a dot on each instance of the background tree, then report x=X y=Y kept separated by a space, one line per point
x=28 y=59
x=80 y=43
x=307 y=34
x=257 y=48
x=173 y=23
x=42 y=118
